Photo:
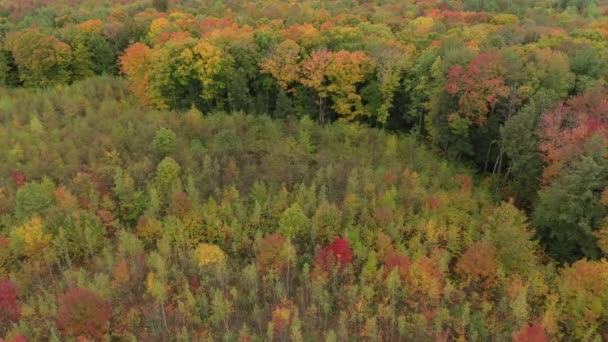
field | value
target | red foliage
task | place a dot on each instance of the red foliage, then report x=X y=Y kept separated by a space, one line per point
x=194 y=284
x=18 y=178
x=565 y=130
x=399 y=262
x=335 y=255
x=215 y=24
x=479 y=86
x=4 y=243
x=83 y=313
x=18 y=338
x=9 y=305
x=533 y=333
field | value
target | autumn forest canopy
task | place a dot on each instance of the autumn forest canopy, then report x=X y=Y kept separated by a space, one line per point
x=269 y=170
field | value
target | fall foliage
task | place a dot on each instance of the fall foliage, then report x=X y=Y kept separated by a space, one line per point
x=303 y=170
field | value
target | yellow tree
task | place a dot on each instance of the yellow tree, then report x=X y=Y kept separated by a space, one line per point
x=345 y=72
x=282 y=63
x=33 y=238
x=336 y=75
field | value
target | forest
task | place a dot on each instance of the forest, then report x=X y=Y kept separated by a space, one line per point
x=304 y=170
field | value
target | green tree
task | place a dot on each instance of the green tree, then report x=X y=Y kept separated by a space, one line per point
x=164 y=141
x=42 y=60
x=569 y=210
x=33 y=199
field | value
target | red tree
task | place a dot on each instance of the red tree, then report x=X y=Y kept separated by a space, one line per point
x=83 y=313
x=336 y=254
x=565 y=130
x=9 y=305
x=478 y=86
x=533 y=333
x=18 y=178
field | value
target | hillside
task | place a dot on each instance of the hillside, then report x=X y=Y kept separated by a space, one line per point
x=269 y=170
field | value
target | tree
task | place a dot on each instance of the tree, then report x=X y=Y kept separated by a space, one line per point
x=313 y=76
x=583 y=288
x=274 y=253
x=391 y=61
x=334 y=256
x=9 y=303
x=520 y=141
x=569 y=210
x=549 y=70
x=531 y=333
x=209 y=255
x=336 y=75
x=168 y=176
x=565 y=130
x=293 y=222
x=478 y=264
x=32 y=199
x=33 y=238
x=345 y=72
x=282 y=63
x=164 y=141
x=212 y=67
x=477 y=87
x=42 y=60
x=83 y=314
x=135 y=63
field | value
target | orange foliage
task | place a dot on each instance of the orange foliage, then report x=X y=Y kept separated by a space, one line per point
x=478 y=263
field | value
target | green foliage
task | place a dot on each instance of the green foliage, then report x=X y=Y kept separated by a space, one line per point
x=569 y=210
x=164 y=141
x=33 y=199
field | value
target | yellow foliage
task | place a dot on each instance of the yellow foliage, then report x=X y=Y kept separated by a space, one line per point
x=207 y=254
x=33 y=237
x=504 y=19
x=422 y=25
x=157 y=27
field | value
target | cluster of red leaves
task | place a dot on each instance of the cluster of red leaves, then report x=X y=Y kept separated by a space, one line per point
x=9 y=304
x=18 y=178
x=478 y=86
x=532 y=333
x=457 y=17
x=18 y=338
x=211 y=24
x=4 y=243
x=565 y=130
x=83 y=313
x=336 y=255
x=393 y=260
